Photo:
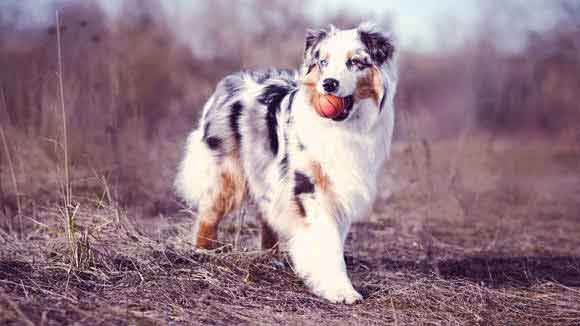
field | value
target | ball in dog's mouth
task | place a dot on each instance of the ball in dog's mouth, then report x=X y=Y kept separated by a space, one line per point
x=333 y=107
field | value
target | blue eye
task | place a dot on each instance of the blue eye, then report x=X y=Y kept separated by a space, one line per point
x=323 y=62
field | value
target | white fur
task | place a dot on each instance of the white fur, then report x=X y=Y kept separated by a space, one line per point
x=337 y=48
x=322 y=265
x=197 y=172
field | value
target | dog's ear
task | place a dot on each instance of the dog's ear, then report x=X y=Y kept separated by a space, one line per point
x=378 y=43
x=313 y=38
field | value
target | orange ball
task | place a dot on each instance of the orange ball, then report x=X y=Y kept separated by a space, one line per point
x=329 y=106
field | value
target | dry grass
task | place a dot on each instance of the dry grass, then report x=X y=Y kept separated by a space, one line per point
x=500 y=252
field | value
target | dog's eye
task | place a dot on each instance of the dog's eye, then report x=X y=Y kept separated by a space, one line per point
x=353 y=62
x=324 y=62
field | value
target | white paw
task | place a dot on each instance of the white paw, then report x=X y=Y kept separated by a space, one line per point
x=343 y=294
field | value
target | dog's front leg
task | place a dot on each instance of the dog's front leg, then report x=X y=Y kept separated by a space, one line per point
x=318 y=256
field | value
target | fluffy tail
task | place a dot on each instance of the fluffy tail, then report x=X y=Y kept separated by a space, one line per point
x=197 y=171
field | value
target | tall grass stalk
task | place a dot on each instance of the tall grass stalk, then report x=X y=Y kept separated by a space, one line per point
x=79 y=251
x=67 y=187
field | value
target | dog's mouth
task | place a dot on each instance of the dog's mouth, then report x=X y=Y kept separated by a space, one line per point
x=347 y=109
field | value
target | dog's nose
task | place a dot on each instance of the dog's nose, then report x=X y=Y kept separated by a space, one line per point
x=330 y=85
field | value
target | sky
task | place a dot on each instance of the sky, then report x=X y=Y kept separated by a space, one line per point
x=423 y=25
x=415 y=21
x=431 y=24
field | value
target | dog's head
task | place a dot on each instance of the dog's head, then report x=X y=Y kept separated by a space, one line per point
x=352 y=64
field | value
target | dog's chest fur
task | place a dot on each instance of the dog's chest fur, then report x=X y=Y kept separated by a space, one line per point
x=347 y=160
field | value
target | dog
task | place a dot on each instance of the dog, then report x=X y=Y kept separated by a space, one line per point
x=310 y=176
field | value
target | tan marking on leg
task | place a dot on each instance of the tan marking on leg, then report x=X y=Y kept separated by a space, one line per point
x=206 y=236
x=232 y=186
x=323 y=184
x=321 y=180
x=228 y=196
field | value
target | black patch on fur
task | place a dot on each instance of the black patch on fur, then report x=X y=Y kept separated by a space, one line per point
x=383 y=99
x=284 y=162
x=313 y=37
x=365 y=65
x=359 y=66
x=302 y=184
x=213 y=142
x=379 y=46
x=272 y=123
x=291 y=101
x=206 y=130
x=301 y=146
x=289 y=116
x=273 y=94
x=271 y=97
x=301 y=209
x=284 y=165
x=235 y=121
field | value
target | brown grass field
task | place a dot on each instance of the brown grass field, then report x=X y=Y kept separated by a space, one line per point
x=472 y=231
x=477 y=221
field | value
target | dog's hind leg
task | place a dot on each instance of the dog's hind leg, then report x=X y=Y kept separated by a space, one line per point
x=228 y=194
x=206 y=229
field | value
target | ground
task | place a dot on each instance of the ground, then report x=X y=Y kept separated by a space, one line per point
x=471 y=231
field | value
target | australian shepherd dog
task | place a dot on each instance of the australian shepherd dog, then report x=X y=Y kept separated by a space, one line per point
x=310 y=176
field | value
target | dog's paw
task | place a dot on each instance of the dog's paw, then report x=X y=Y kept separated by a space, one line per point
x=344 y=294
